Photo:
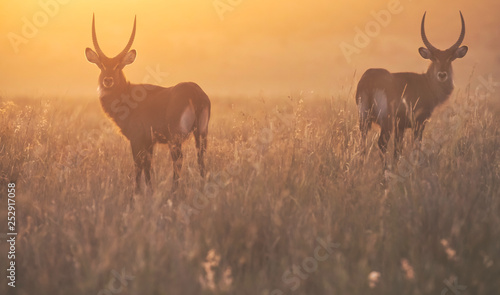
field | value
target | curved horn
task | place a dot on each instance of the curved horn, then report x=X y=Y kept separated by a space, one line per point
x=424 y=37
x=94 y=39
x=130 y=41
x=462 y=34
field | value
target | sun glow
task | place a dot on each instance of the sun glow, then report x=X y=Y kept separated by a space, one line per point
x=230 y=47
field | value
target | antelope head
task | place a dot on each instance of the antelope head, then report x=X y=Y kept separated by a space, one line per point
x=441 y=68
x=111 y=76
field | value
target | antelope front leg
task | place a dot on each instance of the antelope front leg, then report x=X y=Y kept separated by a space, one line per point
x=138 y=173
x=147 y=167
x=141 y=162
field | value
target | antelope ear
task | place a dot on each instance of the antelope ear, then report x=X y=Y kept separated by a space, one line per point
x=461 y=52
x=424 y=52
x=129 y=57
x=92 y=56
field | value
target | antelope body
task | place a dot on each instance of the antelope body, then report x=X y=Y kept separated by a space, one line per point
x=158 y=114
x=406 y=100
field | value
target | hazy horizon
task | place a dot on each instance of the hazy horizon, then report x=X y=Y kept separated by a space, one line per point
x=288 y=48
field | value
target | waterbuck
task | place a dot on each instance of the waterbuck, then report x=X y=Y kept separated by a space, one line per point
x=406 y=100
x=149 y=114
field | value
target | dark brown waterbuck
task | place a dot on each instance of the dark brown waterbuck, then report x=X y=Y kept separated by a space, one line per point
x=406 y=100
x=149 y=114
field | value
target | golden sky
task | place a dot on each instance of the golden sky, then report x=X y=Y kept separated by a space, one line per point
x=246 y=47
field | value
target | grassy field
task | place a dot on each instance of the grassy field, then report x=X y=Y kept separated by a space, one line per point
x=290 y=205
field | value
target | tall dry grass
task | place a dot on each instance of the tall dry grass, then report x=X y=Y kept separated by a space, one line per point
x=284 y=174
